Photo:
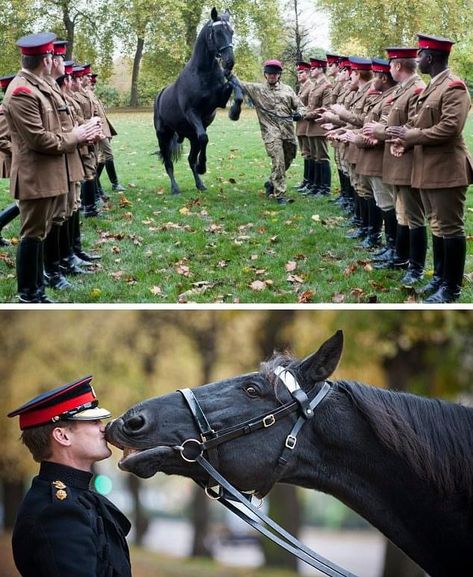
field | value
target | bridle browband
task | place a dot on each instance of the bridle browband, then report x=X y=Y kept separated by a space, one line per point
x=212 y=26
x=192 y=451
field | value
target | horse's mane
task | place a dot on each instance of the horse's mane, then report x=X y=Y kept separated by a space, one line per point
x=435 y=437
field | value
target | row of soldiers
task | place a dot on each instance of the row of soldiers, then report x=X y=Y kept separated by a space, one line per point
x=400 y=155
x=55 y=142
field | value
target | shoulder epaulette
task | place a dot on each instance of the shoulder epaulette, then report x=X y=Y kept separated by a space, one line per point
x=457 y=84
x=22 y=90
x=389 y=100
x=373 y=91
x=418 y=90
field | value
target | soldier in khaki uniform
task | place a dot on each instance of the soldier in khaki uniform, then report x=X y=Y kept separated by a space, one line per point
x=411 y=237
x=81 y=94
x=369 y=164
x=104 y=153
x=305 y=86
x=11 y=211
x=277 y=106
x=39 y=146
x=320 y=97
x=442 y=167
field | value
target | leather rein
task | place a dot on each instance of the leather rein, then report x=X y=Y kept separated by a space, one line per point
x=192 y=451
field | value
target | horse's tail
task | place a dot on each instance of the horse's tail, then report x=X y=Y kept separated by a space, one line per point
x=175 y=144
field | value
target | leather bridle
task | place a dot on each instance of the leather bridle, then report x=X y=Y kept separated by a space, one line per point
x=192 y=451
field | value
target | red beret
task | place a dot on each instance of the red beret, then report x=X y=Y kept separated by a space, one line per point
x=435 y=43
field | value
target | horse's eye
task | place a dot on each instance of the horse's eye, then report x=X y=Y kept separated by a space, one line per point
x=251 y=391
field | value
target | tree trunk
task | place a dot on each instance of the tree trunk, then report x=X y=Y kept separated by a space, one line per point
x=69 y=25
x=140 y=518
x=12 y=495
x=134 y=100
x=200 y=523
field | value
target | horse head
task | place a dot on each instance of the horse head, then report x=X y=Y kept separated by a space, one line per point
x=220 y=38
x=152 y=432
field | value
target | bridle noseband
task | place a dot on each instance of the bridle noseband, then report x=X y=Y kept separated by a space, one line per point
x=211 y=35
x=192 y=451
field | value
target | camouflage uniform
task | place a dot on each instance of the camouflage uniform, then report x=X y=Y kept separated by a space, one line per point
x=275 y=106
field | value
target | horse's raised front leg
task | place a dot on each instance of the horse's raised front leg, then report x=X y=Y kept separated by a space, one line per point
x=192 y=158
x=195 y=121
x=235 y=109
x=169 y=148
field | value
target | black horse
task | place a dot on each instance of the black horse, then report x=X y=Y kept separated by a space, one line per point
x=403 y=462
x=187 y=107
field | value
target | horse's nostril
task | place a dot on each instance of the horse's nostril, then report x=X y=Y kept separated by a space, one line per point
x=135 y=423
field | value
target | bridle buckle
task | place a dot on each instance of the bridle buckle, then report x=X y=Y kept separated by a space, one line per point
x=291 y=441
x=268 y=421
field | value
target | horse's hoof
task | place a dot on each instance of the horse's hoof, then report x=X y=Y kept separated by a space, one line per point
x=175 y=192
x=201 y=186
x=201 y=169
x=234 y=115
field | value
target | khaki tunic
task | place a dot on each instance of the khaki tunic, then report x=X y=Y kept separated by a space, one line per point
x=107 y=127
x=440 y=159
x=39 y=143
x=5 y=146
x=320 y=97
x=397 y=170
x=370 y=158
x=274 y=106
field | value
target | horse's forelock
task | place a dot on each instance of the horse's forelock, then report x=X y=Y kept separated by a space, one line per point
x=267 y=368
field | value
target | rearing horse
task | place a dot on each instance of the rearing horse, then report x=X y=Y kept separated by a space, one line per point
x=403 y=462
x=187 y=107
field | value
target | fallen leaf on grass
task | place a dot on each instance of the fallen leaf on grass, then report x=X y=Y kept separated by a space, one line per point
x=214 y=228
x=117 y=275
x=294 y=278
x=315 y=217
x=258 y=285
x=182 y=269
x=305 y=297
x=123 y=200
x=358 y=293
x=96 y=293
x=291 y=266
x=222 y=264
x=156 y=290
x=184 y=210
x=6 y=258
x=338 y=298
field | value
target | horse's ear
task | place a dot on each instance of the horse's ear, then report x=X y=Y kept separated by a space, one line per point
x=214 y=14
x=321 y=364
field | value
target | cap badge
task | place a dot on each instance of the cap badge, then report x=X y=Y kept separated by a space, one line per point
x=61 y=495
x=59 y=485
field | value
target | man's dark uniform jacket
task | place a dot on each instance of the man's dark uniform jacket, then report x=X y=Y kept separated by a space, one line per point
x=63 y=529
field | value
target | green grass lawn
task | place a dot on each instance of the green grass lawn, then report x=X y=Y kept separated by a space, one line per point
x=227 y=245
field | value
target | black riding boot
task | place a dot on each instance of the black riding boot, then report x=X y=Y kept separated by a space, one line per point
x=100 y=192
x=390 y=228
x=417 y=252
x=27 y=270
x=454 y=265
x=40 y=287
x=438 y=255
x=52 y=272
x=362 y=223
x=399 y=259
x=88 y=194
x=305 y=178
x=325 y=178
x=310 y=175
x=69 y=264
x=375 y=219
x=314 y=186
x=76 y=240
x=112 y=175
x=6 y=216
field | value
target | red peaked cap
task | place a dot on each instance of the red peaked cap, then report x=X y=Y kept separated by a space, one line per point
x=60 y=47
x=343 y=62
x=332 y=58
x=36 y=44
x=69 y=67
x=5 y=80
x=435 y=43
x=301 y=65
x=380 y=65
x=76 y=401
x=358 y=63
x=318 y=63
x=401 y=52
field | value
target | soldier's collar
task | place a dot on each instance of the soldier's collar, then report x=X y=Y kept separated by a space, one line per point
x=68 y=475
